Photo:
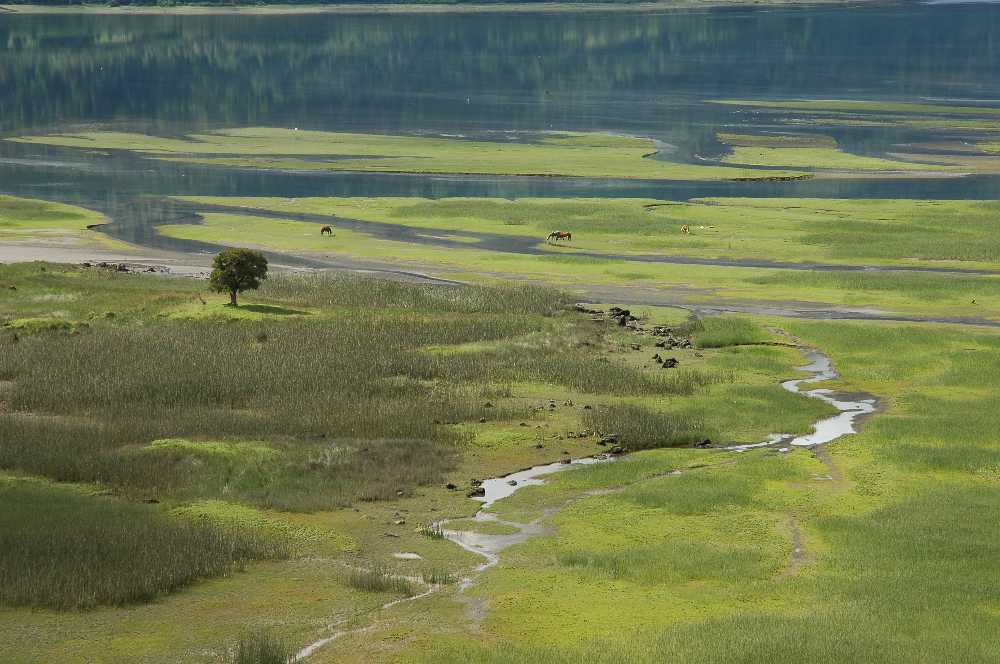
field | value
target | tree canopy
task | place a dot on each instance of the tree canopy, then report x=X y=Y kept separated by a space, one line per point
x=236 y=270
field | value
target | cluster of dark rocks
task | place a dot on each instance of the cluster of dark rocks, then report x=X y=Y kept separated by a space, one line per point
x=127 y=267
x=477 y=490
x=624 y=318
x=666 y=362
x=668 y=340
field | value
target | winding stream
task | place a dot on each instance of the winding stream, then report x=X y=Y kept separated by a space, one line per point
x=852 y=407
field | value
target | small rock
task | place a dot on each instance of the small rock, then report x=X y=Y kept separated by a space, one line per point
x=523 y=424
x=609 y=439
x=450 y=486
x=399 y=522
x=482 y=420
x=476 y=492
x=512 y=482
x=587 y=408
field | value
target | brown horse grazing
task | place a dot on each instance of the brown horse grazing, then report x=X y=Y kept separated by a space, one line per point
x=326 y=230
x=559 y=235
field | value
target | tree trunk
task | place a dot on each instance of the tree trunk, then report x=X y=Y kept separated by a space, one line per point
x=232 y=298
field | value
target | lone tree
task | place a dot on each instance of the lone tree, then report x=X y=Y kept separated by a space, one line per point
x=237 y=270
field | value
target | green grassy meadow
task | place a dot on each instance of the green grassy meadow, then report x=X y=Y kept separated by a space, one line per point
x=29 y=220
x=186 y=481
x=891 y=233
x=551 y=154
x=266 y=451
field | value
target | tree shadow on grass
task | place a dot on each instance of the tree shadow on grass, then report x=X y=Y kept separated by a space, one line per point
x=272 y=310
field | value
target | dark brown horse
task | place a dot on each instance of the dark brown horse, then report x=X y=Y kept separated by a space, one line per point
x=326 y=230
x=559 y=235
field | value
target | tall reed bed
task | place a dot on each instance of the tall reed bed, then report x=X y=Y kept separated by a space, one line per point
x=66 y=550
x=350 y=406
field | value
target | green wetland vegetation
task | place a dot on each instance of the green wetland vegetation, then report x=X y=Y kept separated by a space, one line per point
x=291 y=478
x=277 y=473
x=547 y=154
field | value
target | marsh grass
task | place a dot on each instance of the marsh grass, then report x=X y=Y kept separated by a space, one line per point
x=63 y=549
x=437 y=576
x=261 y=647
x=722 y=331
x=346 y=290
x=640 y=428
x=924 y=287
x=296 y=413
x=433 y=531
x=378 y=579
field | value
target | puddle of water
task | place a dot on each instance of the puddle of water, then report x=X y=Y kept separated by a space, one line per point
x=407 y=556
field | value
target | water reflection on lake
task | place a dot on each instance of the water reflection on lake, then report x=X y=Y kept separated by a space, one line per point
x=646 y=74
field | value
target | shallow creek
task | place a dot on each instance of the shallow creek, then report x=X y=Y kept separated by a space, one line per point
x=852 y=408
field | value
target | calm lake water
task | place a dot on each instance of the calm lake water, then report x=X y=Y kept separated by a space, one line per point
x=471 y=74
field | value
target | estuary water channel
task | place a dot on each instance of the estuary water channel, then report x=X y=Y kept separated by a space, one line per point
x=494 y=76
